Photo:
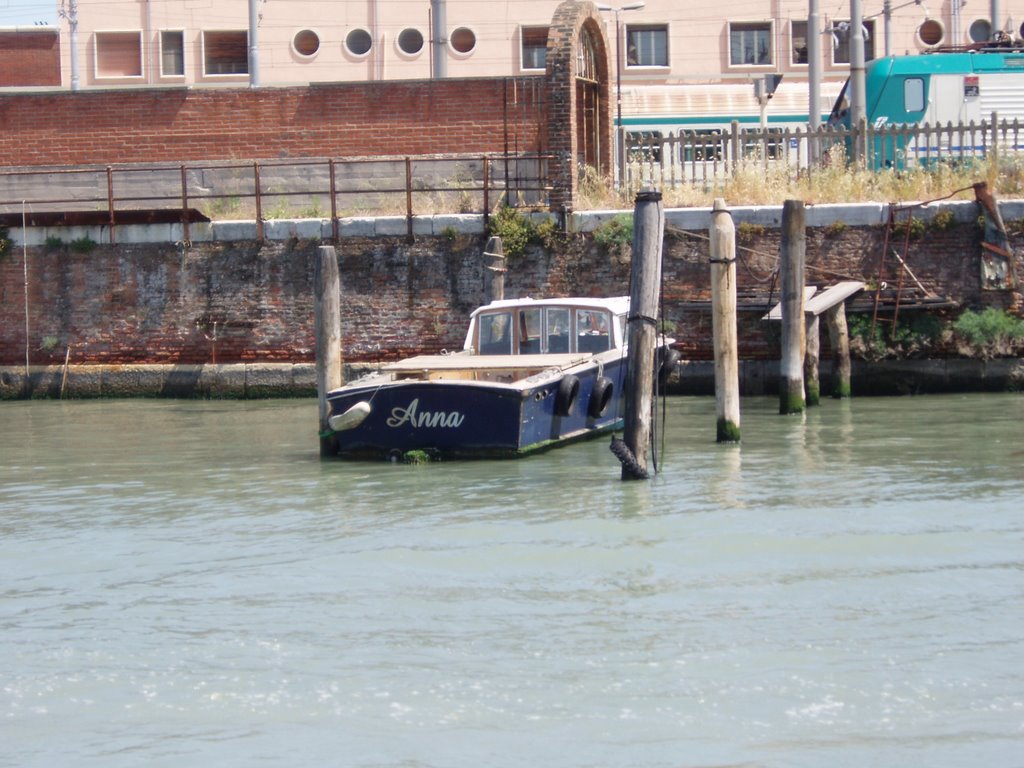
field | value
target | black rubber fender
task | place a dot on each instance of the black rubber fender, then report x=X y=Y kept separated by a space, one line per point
x=567 y=394
x=600 y=397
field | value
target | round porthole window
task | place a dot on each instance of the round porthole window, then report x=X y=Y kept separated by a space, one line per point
x=931 y=32
x=463 y=40
x=980 y=31
x=358 y=42
x=410 y=41
x=306 y=42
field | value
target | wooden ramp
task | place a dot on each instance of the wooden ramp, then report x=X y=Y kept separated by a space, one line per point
x=816 y=303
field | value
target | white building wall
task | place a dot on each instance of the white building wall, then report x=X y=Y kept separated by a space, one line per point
x=698 y=37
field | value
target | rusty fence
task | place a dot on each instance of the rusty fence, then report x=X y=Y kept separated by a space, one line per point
x=317 y=188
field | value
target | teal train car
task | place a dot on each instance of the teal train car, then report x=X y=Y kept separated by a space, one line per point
x=937 y=89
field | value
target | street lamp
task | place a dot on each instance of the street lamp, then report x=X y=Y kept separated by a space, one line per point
x=620 y=136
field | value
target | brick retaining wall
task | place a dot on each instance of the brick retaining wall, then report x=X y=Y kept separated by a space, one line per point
x=250 y=302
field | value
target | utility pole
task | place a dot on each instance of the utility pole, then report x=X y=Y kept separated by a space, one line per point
x=254 y=45
x=71 y=14
x=813 y=79
x=620 y=134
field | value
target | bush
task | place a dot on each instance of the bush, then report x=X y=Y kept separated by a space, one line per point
x=990 y=333
x=517 y=231
x=616 y=233
x=514 y=229
x=916 y=338
x=5 y=242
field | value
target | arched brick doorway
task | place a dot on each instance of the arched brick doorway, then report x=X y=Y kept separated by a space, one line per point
x=579 y=107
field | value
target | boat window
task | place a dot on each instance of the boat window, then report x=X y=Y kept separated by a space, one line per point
x=496 y=333
x=558 y=329
x=529 y=332
x=592 y=327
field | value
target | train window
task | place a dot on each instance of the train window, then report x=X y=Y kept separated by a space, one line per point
x=643 y=146
x=701 y=145
x=750 y=44
x=762 y=142
x=798 y=37
x=841 y=41
x=647 y=45
x=913 y=94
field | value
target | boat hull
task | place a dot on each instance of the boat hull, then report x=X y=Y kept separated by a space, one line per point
x=471 y=419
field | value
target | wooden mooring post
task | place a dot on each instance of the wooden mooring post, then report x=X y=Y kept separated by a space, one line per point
x=723 y=323
x=839 y=340
x=645 y=280
x=791 y=268
x=812 y=356
x=327 y=286
x=494 y=270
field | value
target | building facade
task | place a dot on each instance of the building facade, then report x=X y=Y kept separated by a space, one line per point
x=197 y=42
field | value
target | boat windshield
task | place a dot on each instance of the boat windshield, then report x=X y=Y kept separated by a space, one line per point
x=542 y=330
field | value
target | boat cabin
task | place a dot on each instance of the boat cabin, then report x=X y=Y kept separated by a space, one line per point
x=528 y=327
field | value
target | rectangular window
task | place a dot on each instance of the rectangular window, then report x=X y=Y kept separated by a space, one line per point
x=841 y=41
x=172 y=53
x=496 y=333
x=530 y=332
x=557 y=329
x=798 y=37
x=913 y=94
x=703 y=145
x=592 y=330
x=534 y=47
x=647 y=45
x=750 y=44
x=226 y=52
x=643 y=146
x=118 y=54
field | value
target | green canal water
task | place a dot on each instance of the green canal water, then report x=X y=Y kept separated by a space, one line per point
x=188 y=584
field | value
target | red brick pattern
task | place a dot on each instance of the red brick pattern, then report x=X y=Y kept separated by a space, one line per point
x=244 y=302
x=29 y=58
x=336 y=120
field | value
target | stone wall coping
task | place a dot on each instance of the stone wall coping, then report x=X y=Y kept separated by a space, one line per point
x=692 y=219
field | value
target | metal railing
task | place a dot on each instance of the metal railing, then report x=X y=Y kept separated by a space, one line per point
x=711 y=157
x=317 y=188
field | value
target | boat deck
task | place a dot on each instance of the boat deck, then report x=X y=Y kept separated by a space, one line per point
x=504 y=368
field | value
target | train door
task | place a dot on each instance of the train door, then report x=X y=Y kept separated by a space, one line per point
x=948 y=100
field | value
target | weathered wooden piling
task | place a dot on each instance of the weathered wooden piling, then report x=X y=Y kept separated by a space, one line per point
x=645 y=279
x=812 y=355
x=723 y=323
x=494 y=270
x=791 y=269
x=839 y=340
x=327 y=307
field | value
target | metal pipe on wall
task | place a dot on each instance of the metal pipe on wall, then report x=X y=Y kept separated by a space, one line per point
x=254 y=44
x=438 y=38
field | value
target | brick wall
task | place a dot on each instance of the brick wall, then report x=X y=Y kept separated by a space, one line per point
x=246 y=302
x=29 y=58
x=336 y=120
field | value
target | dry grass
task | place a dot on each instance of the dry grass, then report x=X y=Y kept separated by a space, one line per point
x=834 y=182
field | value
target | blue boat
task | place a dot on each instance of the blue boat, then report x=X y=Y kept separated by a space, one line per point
x=532 y=374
